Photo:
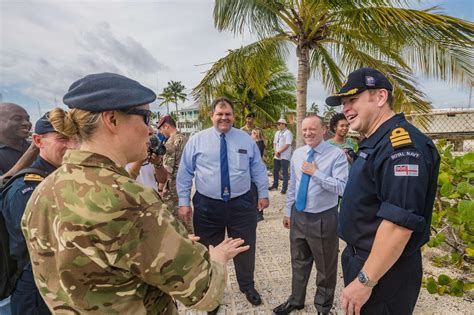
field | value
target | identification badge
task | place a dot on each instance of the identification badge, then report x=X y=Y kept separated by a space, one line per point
x=406 y=170
x=243 y=151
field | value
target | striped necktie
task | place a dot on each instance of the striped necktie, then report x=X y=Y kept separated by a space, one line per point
x=225 y=179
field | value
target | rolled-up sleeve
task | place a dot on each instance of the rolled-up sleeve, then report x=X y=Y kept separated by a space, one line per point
x=402 y=184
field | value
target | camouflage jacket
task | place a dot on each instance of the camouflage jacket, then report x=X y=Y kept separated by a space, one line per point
x=248 y=130
x=174 y=150
x=101 y=243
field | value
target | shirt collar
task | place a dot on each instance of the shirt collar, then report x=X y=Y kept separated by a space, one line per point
x=318 y=149
x=24 y=144
x=381 y=131
x=43 y=165
x=218 y=133
x=90 y=159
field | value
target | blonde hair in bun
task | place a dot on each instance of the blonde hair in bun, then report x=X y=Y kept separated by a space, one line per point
x=75 y=122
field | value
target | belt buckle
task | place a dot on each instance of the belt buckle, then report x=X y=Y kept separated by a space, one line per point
x=354 y=250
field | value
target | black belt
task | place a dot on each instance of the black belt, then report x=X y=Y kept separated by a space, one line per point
x=231 y=199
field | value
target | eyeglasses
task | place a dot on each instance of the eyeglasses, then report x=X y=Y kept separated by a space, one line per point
x=145 y=113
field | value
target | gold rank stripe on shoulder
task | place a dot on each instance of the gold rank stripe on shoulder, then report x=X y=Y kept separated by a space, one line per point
x=33 y=178
x=399 y=137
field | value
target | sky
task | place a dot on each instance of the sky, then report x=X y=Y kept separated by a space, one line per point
x=47 y=45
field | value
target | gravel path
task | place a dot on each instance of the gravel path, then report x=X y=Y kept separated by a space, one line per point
x=273 y=276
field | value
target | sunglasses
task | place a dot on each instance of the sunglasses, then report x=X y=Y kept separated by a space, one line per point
x=145 y=113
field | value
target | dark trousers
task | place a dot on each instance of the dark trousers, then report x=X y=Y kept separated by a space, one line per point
x=283 y=165
x=238 y=216
x=254 y=192
x=313 y=238
x=26 y=299
x=396 y=292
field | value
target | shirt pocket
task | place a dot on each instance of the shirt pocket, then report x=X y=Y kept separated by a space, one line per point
x=242 y=160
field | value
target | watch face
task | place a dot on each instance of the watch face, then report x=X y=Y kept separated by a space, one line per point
x=362 y=277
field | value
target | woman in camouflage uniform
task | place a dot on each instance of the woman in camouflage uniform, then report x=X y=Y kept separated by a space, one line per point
x=99 y=241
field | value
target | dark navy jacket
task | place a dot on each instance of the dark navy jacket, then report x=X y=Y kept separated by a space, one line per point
x=394 y=177
x=14 y=200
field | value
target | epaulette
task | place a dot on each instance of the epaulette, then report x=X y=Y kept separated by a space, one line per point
x=30 y=177
x=400 y=138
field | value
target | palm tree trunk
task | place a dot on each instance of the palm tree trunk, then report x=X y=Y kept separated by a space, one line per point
x=167 y=109
x=301 y=91
x=176 y=104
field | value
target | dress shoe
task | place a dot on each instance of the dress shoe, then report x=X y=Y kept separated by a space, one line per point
x=214 y=311
x=252 y=296
x=283 y=192
x=320 y=313
x=286 y=308
x=272 y=188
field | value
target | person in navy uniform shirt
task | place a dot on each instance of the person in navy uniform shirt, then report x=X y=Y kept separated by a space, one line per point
x=52 y=145
x=224 y=161
x=386 y=209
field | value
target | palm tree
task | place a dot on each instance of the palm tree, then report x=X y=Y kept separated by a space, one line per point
x=335 y=37
x=267 y=92
x=166 y=98
x=175 y=88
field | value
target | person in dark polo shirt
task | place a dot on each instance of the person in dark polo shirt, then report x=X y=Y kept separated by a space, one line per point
x=15 y=126
x=385 y=214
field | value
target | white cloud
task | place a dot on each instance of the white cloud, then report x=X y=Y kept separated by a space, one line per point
x=46 y=45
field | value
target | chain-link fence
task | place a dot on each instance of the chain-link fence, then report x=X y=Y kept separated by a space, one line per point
x=454 y=125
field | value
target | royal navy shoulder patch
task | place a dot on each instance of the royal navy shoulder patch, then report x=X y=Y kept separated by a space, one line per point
x=400 y=138
x=33 y=178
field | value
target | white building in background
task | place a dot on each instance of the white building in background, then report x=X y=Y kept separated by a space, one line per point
x=188 y=120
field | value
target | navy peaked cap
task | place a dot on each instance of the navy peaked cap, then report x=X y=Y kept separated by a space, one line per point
x=43 y=125
x=359 y=81
x=107 y=91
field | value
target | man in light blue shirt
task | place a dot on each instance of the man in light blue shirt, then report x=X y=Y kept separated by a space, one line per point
x=224 y=161
x=319 y=174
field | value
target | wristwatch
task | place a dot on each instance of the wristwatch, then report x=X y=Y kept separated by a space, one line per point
x=364 y=279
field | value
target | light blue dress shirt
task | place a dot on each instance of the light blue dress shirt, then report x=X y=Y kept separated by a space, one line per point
x=201 y=160
x=326 y=184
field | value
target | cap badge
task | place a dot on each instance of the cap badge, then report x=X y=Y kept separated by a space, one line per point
x=369 y=80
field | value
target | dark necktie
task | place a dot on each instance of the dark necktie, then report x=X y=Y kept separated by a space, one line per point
x=225 y=180
x=303 y=189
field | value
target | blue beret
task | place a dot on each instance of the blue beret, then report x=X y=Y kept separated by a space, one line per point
x=107 y=91
x=43 y=125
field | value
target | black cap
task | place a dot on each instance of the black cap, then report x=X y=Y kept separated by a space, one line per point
x=107 y=91
x=359 y=81
x=251 y=114
x=165 y=119
x=43 y=125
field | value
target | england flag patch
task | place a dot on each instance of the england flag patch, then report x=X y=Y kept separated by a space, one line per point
x=406 y=170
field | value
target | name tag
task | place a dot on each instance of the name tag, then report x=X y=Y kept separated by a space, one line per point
x=243 y=151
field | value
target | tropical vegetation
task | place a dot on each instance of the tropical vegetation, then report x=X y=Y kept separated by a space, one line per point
x=334 y=37
x=172 y=94
x=269 y=92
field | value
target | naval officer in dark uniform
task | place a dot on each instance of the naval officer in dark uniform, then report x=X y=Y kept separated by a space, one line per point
x=386 y=209
x=52 y=145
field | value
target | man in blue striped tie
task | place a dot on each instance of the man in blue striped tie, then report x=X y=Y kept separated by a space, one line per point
x=319 y=174
x=224 y=161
